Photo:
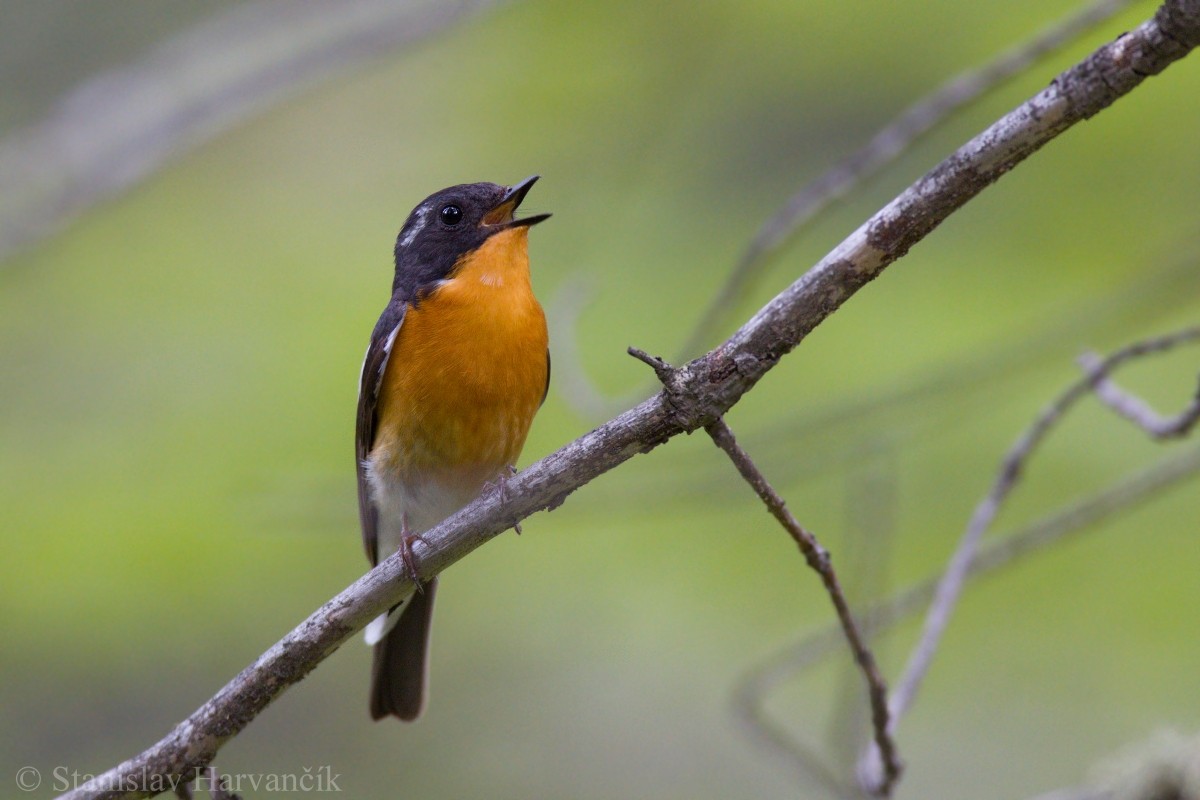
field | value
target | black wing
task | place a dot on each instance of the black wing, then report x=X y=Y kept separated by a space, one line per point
x=374 y=364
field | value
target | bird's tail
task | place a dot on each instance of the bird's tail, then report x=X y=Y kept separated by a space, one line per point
x=402 y=660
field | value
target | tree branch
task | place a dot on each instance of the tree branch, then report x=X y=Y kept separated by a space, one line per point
x=696 y=395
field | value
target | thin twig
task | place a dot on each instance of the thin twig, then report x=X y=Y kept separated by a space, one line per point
x=818 y=559
x=1135 y=409
x=119 y=126
x=1124 y=495
x=699 y=392
x=951 y=584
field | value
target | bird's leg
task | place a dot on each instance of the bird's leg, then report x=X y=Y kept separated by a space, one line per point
x=500 y=486
x=406 y=551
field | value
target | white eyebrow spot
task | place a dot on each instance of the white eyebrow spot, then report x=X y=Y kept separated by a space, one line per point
x=417 y=226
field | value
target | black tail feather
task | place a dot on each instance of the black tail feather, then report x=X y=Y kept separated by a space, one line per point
x=402 y=660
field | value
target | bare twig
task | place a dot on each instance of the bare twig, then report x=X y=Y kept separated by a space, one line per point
x=698 y=393
x=951 y=584
x=1137 y=410
x=818 y=559
x=883 y=148
x=1124 y=495
x=118 y=127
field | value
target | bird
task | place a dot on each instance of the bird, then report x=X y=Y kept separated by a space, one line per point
x=457 y=366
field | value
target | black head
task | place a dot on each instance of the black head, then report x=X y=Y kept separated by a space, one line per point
x=451 y=223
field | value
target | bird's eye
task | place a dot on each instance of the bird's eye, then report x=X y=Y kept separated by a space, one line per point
x=451 y=215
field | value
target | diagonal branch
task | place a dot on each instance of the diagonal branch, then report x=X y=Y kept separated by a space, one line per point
x=697 y=394
x=818 y=558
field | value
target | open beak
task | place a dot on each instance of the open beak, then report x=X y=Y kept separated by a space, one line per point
x=502 y=214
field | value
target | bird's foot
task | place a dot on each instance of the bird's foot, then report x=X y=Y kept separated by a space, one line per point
x=407 y=540
x=500 y=487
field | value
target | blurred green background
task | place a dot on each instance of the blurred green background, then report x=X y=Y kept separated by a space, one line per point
x=179 y=367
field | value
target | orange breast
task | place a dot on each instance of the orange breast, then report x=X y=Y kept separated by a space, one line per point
x=467 y=371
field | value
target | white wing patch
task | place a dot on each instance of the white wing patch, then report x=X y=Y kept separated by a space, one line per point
x=387 y=354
